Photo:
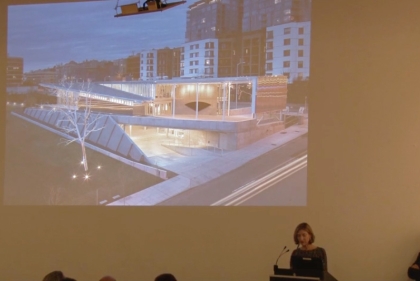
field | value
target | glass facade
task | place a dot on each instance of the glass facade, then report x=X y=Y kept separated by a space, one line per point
x=262 y=14
x=14 y=71
x=210 y=19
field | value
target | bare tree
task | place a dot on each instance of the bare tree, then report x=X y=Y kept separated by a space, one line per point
x=74 y=102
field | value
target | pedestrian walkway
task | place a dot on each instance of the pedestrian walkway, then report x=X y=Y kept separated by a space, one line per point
x=195 y=171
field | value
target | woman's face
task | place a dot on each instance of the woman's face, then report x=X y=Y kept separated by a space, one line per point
x=303 y=237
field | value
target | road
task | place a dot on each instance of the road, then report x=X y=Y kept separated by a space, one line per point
x=277 y=178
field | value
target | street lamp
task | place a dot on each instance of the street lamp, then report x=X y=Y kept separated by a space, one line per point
x=237 y=75
x=237 y=67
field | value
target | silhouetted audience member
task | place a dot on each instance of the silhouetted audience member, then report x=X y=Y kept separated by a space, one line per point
x=54 y=276
x=68 y=279
x=107 y=278
x=414 y=270
x=165 y=277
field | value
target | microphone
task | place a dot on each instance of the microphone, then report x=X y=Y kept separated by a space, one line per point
x=276 y=267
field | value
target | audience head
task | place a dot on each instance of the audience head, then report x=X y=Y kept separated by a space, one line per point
x=54 y=276
x=165 y=277
x=303 y=233
x=68 y=279
x=107 y=278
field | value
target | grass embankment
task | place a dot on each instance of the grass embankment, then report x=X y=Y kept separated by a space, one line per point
x=39 y=170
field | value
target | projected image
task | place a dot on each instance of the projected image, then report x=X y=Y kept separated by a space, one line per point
x=159 y=103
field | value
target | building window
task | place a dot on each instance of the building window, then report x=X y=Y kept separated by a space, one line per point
x=209 y=70
x=210 y=54
x=287 y=30
x=270 y=34
x=196 y=54
x=196 y=62
x=301 y=30
x=269 y=66
x=191 y=71
x=210 y=45
x=191 y=55
x=197 y=46
x=301 y=42
x=300 y=53
x=270 y=45
x=191 y=47
x=286 y=53
x=209 y=62
x=287 y=74
x=191 y=63
x=286 y=42
x=269 y=55
x=286 y=64
x=300 y=64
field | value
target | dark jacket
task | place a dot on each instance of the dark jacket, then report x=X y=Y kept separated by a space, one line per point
x=414 y=273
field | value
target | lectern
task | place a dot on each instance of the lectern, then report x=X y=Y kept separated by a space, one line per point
x=285 y=274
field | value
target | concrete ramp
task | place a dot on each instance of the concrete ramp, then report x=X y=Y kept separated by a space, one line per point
x=108 y=136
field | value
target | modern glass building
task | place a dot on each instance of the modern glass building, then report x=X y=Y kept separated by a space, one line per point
x=208 y=19
x=14 y=71
x=261 y=14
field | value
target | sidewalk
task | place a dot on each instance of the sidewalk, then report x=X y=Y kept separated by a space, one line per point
x=192 y=173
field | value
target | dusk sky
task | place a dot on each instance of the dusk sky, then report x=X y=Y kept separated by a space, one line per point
x=48 y=34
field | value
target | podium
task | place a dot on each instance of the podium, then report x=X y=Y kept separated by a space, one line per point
x=286 y=274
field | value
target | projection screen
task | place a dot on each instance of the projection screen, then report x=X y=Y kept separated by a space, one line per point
x=115 y=103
